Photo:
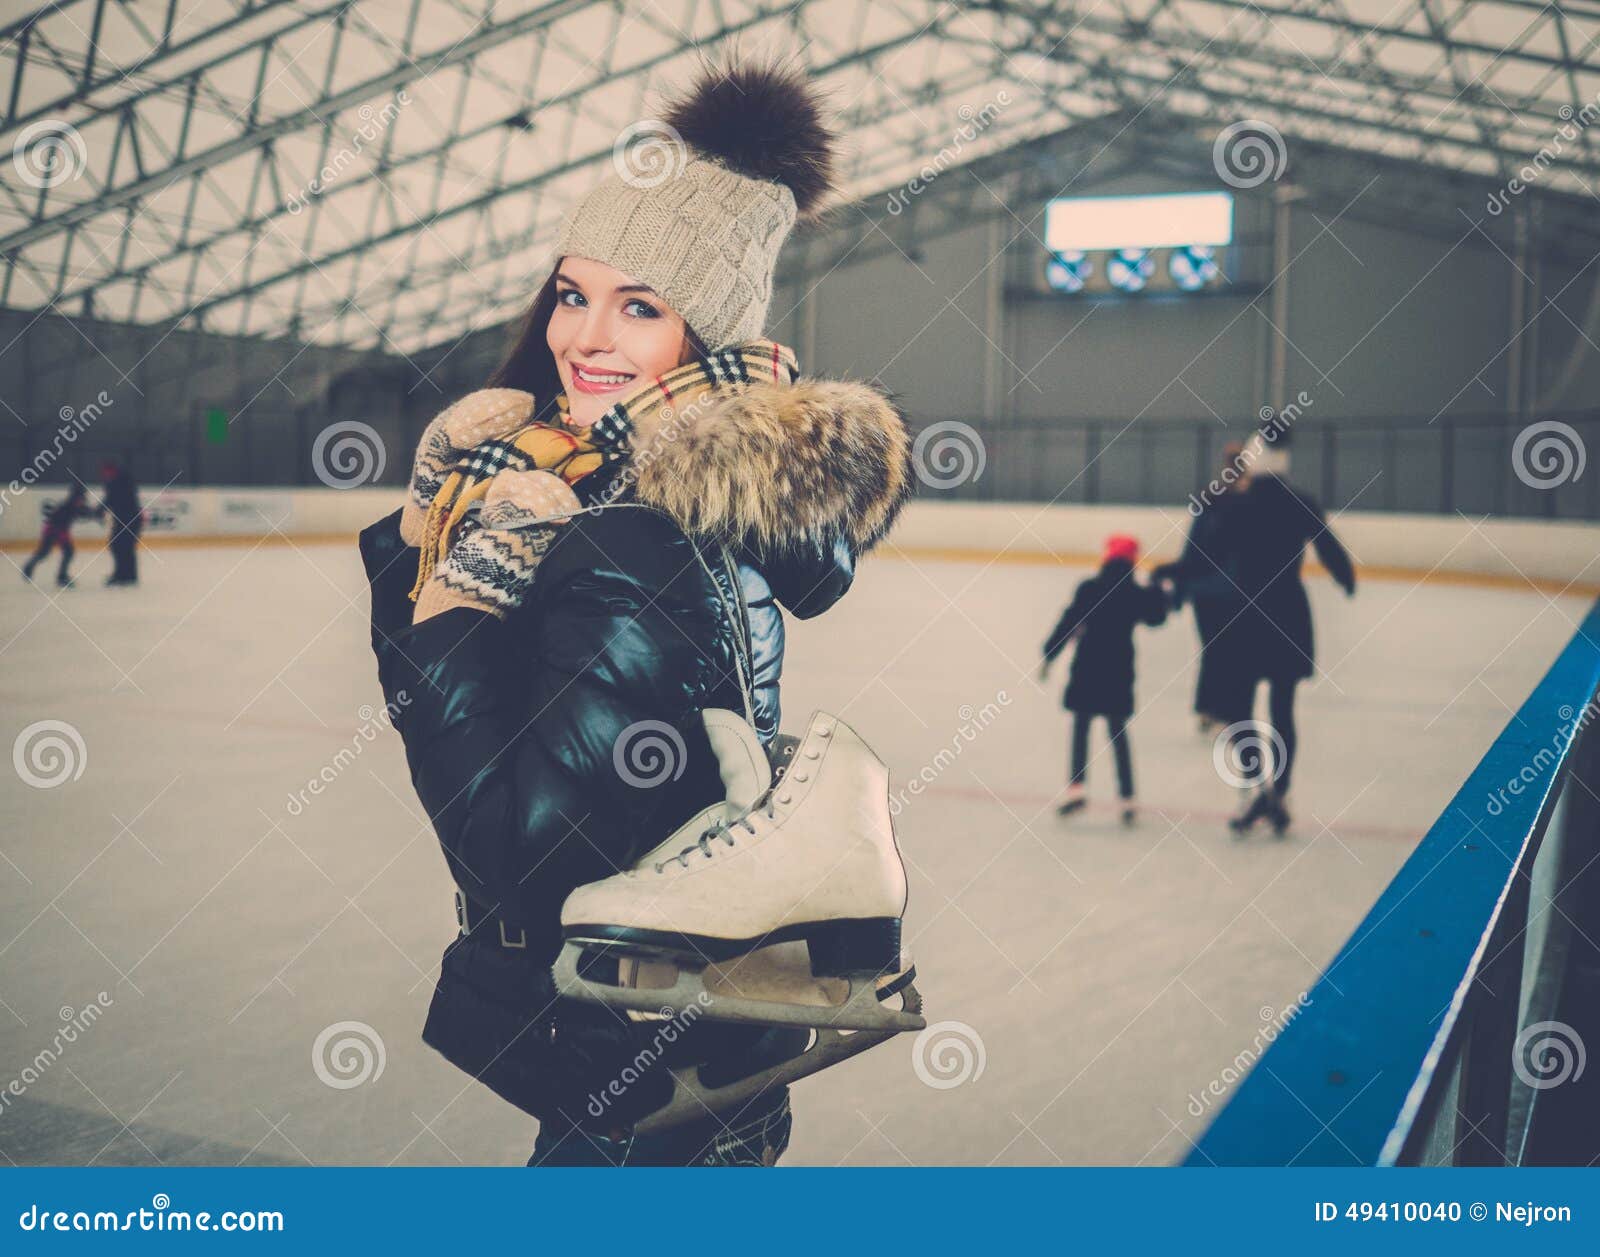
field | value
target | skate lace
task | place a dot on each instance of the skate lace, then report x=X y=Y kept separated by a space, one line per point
x=722 y=829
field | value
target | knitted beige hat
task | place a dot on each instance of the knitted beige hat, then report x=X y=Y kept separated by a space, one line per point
x=703 y=198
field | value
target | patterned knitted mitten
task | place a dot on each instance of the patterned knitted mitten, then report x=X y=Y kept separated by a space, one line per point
x=477 y=417
x=491 y=566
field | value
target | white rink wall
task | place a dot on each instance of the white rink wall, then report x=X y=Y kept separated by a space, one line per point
x=1541 y=550
x=218 y=514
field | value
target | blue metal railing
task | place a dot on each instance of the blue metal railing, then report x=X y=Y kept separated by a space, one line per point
x=1404 y=1053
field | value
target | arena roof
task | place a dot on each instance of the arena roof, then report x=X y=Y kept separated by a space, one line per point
x=389 y=175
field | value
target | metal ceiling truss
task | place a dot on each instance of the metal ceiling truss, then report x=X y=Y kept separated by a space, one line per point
x=1408 y=84
x=1332 y=182
x=1011 y=185
x=389 y=176
x=62 y=46
x=501 y=269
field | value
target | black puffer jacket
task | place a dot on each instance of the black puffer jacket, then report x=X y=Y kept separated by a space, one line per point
x=1272 y=637
x=530 y=741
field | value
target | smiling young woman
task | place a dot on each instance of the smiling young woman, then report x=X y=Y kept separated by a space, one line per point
x=662 y=602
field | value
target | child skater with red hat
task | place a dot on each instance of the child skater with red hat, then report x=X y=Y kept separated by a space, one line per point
x=1101 y=619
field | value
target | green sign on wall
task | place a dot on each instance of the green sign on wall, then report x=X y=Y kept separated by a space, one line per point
x=217 y=425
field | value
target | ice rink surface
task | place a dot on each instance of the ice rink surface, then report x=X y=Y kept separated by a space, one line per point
x=1103 y=979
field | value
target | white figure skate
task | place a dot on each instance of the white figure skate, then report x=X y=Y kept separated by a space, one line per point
x=709 y=920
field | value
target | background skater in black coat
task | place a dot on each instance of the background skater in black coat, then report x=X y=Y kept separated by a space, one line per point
x=1272 y=638
x=1204 y=577
x=1101 y=617
x=120 y=498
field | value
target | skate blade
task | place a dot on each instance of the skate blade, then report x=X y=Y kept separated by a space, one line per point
x=693 y=1100
x=752 y=989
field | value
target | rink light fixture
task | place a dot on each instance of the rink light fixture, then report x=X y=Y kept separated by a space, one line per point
x=1193 y=266
x=1129 y=270
x=1162 y=221
x=1069 y=271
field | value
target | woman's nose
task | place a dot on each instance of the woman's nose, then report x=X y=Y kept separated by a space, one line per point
x=596 y=335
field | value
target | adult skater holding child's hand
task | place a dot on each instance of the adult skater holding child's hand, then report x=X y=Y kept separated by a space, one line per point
x=595 y=552
x=1272 y=640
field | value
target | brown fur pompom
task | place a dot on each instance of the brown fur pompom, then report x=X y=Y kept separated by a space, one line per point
x=763 y=121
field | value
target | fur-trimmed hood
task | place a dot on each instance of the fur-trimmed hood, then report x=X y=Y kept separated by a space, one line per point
x=774 y=466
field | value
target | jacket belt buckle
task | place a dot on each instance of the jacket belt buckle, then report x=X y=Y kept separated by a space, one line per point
x=519 y=943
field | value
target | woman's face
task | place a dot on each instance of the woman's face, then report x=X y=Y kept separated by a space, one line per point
x=609 y=334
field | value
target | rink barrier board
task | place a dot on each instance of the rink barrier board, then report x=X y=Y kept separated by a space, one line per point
x=1416 y=1020
x=1550 y=555
x=941 y=554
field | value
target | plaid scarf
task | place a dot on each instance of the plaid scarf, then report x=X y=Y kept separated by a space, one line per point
x=573 y=453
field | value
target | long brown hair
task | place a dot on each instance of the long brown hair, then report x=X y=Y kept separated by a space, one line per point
x=528 y=364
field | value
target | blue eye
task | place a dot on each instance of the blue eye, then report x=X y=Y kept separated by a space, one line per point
x=561 y=297
x=645 y=309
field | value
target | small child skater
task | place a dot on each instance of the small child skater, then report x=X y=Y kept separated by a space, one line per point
x=1101 y=618
x=57 y=533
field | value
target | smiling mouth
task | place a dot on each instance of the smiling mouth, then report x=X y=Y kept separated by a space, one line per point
x=600 y=379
